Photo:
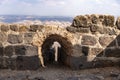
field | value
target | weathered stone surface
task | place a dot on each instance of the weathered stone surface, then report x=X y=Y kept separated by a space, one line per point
x=88 y=40
x=28 y=37
x=20 y=50
x=108 y=20
x=80 y=21
x=7 y=63
x=31 y=50
x=118 y=22
x=94 y=28
x=23 y=29
x=9 y=51
x=4 y=28
x=107 y=30
x=107 y=41
x=83 y=30
x=94 y=19
x=3 y=37
x=34 y=28
x=85 y=50
x=14 y=28
x=27 y=63
x=112 y=52
x=79 y=62
x=96 y=51
x=77 y=51
x=118 y=40
x=1 y=49
x=26 y=50
x=71 y=29
x=13 y=39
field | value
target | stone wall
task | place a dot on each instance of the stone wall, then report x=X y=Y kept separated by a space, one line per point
x=88 y=37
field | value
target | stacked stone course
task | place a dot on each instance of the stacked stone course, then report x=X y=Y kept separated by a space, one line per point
x=88 y=35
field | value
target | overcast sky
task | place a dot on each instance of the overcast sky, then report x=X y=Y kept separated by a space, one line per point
x=59 y=7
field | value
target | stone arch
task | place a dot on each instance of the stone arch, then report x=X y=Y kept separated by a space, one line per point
x=63 y=53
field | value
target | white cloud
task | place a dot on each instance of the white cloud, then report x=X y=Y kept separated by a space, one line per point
x=60 y=7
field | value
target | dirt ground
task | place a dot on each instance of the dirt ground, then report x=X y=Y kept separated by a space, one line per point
x=62 y=73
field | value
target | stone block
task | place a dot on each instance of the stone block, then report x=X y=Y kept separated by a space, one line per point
x=94 y=28
x=109 y=20
x=96 y=51
x=71 y=29
x=94 y=19
x=110 y=31
x=27 y=63
x=85 y=50
x=14 y=39
x=118 y=40
x=83 y=30
x=23 y=29
x=80 y=21
x=1 y=51
x=3 y=37
x=9 y=51
x=118 y=23
x=112 y=52
x=7 y=63
x=28 y=38
x=79 y=62
x=31 y=50
x=107 y=41
x=14 y=28
x=4 y=28
x=34 y=28
x=20 y=50
x=88 y=40
x=26 y=50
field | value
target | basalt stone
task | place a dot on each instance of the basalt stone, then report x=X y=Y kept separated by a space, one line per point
x=107 y=41
x=85 y=50
x=80 y=21
x=79 y=62
x=118 y=40
x=9 y=51
x=31 y=50
x=14 y=28
x=71 y=29
x=7 y=63
x=107 y=30
x=26 y=50
x=88 y=40
x=109 y=20
x=94 y=19
x=20 y=50
x=94 y=28
x=28 y=37
x=27 y=63
x=1 y=49
x=96 y=51
x=83 y=30
x=3 y=37
x=4 y=28
x=112 y=52
x=118 y=22
x=34 y=28
x=14 y=39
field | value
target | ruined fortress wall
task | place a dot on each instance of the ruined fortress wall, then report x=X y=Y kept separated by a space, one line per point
x=88 y=37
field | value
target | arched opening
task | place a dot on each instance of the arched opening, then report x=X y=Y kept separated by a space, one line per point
x=63 y=52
